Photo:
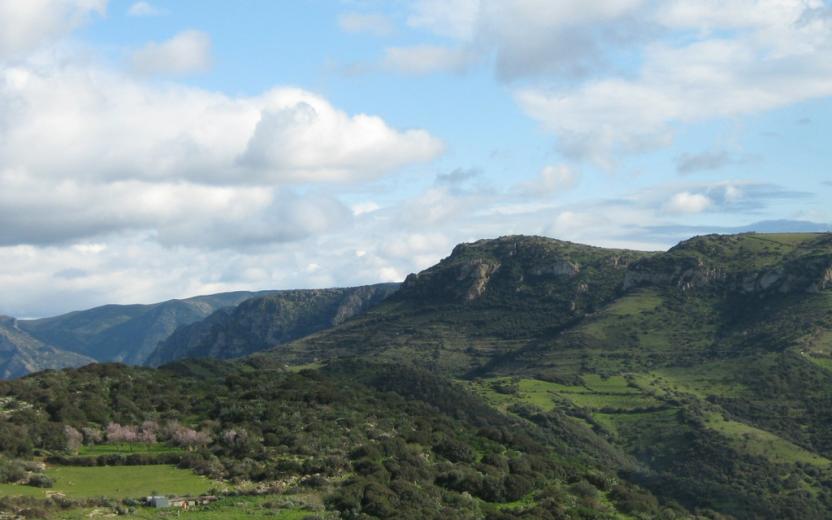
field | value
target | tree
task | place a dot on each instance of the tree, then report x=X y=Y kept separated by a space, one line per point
x=74 y=438
x=118 y=433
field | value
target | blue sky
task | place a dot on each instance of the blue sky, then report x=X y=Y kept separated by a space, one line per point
x=155 y=150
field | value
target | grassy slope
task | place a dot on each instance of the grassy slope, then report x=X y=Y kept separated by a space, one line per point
x=115 y=482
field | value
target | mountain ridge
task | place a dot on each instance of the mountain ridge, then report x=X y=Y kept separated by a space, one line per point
x=21 y=354
x=265 y=321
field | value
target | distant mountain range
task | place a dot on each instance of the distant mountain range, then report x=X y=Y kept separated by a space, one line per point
x=267 y=321
x=21 y=354
x=136 y=334
x=126 y=333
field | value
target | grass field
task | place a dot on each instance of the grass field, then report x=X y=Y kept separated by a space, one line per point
x=596 y=393
x=760 y=442
x=115 y=482
x=127 y=449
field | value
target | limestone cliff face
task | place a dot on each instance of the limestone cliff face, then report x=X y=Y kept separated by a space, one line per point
x=735 y=264
x=558 y=267
x=534 y=269
x=801 y=275
x=464 y=281
x=684 y=274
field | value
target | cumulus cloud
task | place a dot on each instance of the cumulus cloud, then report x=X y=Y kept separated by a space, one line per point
x=370 y=23
x=304 y=138
x=773 y=62
x=91 y=123
x=176 y=214
x=116 y=189
x=533 y=37
x=88 y=152
x=686 y=202
x=186 y=53
x=144 y=9
x=26 y=25
x=619 y=76
x=425 y=59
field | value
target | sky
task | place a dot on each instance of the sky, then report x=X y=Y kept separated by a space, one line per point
x=162 y=149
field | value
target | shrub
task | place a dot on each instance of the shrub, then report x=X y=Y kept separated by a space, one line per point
x=40 y=480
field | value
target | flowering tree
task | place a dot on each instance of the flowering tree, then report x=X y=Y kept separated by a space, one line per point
x=119 y=433
x=74 y=438
x=148 y=431
x=189 y=438
x=92 y=435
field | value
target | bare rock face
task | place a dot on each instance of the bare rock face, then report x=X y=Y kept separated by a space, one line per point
x=723 y=264
x=560 y=267
x=476 y=275
x=824 y=282
x=685 y=274
x=465 y=281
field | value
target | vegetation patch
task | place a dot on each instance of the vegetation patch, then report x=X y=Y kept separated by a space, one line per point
x=115 y=482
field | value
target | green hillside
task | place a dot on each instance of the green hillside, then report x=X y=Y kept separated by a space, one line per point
x=521 y=377
x=723 y=342
x=487 y=299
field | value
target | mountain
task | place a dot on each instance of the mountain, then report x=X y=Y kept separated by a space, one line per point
x=126 y=333
x=486 y=299
x=710 y=364
x=513 y=301
x=520 y=377
x=21 y=354
x=266 y=321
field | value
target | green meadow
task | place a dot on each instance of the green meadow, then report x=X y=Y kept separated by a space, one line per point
x=115 y=482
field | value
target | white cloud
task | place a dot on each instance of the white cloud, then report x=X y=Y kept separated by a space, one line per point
x=89 y=152
x=43 y=211
x=619 y=76
x=186 y=53
x=144 y=9
x=776 y=62
x=426 y=59
x=375 y=24
x=28 y=24
x=454 y=18
x=532 y=37
x=686 y=202
x=302 y=138
x=364 y=207
x=90 y=123
x=550 y=180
